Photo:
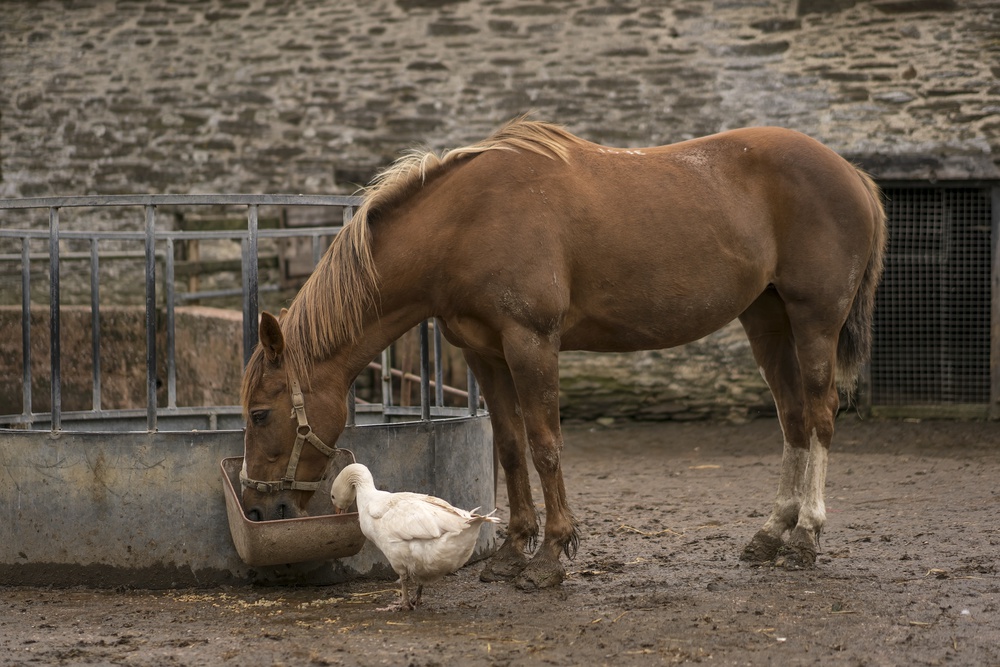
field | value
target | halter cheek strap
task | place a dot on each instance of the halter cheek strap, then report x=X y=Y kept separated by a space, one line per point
x=303 y=434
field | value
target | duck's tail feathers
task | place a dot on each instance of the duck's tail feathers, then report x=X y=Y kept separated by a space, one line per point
x=483 y=517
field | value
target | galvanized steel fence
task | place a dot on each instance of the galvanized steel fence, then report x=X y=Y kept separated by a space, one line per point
x=150 y=235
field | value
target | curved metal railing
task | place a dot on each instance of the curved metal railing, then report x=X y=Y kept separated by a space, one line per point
x=150 y=235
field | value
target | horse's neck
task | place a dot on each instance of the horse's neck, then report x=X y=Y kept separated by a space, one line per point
x=400 y=302
x=379 y=332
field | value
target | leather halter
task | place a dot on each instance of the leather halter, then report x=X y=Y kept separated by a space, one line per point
x=303 y=434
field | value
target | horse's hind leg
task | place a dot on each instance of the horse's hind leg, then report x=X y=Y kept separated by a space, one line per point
x=770 y=336
x=816 y=350
x=797 y=356
x=509 y=443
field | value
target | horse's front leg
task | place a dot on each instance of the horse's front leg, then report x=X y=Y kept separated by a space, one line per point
x=509 y=441
x=534 y=366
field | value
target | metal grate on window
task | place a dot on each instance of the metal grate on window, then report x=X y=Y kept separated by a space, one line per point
x=931 y=339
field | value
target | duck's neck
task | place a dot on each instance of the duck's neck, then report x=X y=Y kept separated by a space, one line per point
x=364 y=489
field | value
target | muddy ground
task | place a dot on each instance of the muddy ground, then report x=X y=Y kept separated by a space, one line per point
x=907 y=573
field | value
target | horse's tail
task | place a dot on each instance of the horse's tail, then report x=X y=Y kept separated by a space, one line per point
x=854 y=348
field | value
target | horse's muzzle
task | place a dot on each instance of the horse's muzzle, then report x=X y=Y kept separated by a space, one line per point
x=271 y=506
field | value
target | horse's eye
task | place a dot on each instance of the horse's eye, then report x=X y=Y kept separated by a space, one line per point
x=258 y=417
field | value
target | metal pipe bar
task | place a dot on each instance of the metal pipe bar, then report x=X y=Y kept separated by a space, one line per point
x=352 y=404
x=396 y=373
x=26 y=327
x=250 y=279
x=211 y=413
x=150 y=318
x=438 y=366
x=425 y=372
x=171 y=327
x=386 y=380
x=310 y=231
x=24 y=233
x=180 y=200
x=128 y=413
x=243 y=292
x=219 y=293
x=70 y=256
x=473 y=393
x=95 y=324
x=317 y=250
x=412 y=411
x=54 y=329
x=216 y=235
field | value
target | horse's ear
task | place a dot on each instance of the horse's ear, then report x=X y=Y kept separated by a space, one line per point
x=270 y=336
x=281 y=315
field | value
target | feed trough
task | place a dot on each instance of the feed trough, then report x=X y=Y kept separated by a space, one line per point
x=321 y=536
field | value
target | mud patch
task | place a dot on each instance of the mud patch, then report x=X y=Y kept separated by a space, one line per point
x=906 y=572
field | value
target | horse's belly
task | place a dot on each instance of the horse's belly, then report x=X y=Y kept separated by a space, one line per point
x=647 y=331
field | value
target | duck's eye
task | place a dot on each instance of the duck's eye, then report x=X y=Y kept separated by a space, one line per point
x=259 y=417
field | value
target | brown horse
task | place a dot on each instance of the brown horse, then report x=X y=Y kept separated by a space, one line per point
x=535 y=241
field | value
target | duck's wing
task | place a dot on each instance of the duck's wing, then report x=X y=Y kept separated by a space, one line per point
x=414 y=516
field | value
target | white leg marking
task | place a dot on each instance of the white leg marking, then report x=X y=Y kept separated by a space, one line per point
x=794 y=461
x=812 y=513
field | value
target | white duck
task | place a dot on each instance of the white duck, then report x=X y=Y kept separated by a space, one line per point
x=423 y=537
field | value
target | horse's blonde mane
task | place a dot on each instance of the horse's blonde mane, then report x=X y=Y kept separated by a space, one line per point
x=329 y=308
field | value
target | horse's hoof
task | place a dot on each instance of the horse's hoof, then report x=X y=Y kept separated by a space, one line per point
x=503 y=567
x=540 y=574
x=790 y=558
x=799 y=552
x=762 y=548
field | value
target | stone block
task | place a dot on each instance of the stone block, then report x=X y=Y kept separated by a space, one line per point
x=910 y=6
x=823 y=6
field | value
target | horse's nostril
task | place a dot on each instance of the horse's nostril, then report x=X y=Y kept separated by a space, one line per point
x=255 y=514
x=282 y=511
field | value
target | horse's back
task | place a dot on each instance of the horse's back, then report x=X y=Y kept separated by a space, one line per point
x=655 y=247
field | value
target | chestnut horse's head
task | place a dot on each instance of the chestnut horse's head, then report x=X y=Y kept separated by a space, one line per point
x=289 y=432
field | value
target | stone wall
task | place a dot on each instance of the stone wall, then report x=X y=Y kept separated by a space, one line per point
x=104 y=97
x=713 y=378
x=208 y=344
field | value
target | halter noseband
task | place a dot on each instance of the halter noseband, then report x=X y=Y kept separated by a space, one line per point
x=303 y=434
